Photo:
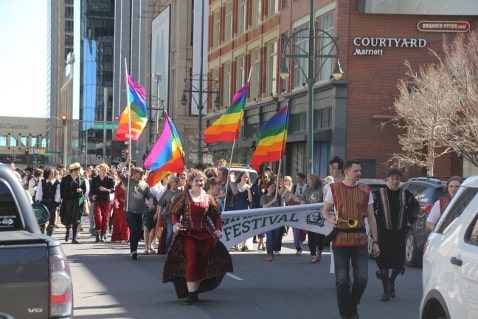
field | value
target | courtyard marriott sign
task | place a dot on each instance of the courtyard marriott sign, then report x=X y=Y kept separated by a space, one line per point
x=375 y=46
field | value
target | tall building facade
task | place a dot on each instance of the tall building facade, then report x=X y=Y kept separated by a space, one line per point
x=60 y=55
x=92 y=114
x=174 y=70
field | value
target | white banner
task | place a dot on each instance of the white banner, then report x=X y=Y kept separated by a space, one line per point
x=238 y=225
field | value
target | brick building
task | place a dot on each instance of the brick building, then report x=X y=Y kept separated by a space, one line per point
x=374 y=40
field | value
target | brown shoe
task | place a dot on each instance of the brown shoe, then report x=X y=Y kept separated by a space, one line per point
x=270 y=257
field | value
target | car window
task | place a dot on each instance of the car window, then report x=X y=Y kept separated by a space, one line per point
x=456 y=209
x=9 y=215
x=471 y=235
x=425 y=195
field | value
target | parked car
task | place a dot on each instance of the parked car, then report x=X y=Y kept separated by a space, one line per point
x=374 y=183
x=426 y=190
x=450 y=260
x=235 y=169
x=35 y=278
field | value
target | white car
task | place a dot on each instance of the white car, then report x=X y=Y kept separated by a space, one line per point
x=450 y=260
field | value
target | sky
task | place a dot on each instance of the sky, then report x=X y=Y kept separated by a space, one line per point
x=23 y=58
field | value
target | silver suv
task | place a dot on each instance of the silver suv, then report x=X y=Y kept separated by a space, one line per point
x=450 y=260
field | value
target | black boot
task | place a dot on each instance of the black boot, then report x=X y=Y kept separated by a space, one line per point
x=394 y=275
x=67 y=235
x=49 y=230
x=386 y=285
x=98 y=237
x=192 y=297
x=75 y=230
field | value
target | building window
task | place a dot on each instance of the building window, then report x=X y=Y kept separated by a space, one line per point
x=69 y=26
x=301 y=66
x=68 y=40
x=256 y=12
x=324 y=66
x=68 y=51
x=216 y=30
x=271 y=68
x=250 y=130
x=228 y=22
x=3 y=141
x=272 y=7
x=296 y=122
x=214 y=76
x=241 y=17
x=69 y=12
x=226 y=85
x=254 y=88
x=239 y=72
x=322 y=118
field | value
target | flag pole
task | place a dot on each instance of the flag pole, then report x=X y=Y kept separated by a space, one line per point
x=129 y=133
x=278 y=178
x=229 y=172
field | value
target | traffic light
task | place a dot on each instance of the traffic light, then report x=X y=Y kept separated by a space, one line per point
x=27 y=150
x=63 y=119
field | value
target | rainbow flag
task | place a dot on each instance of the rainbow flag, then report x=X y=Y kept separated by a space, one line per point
x=135 y=110
x=166 y=155
x=272 y=139
x=226 y=127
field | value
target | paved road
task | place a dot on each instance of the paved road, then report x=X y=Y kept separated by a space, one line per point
x=108 y=284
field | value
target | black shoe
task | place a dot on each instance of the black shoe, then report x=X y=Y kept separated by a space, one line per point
x=385 y=297
x=192 y=297
x=67 y=235
x=134 y=255
x=98 y=239
x=392 y=289
x=74 y=241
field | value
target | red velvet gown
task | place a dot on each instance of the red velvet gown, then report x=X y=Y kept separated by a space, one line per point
x=120 y=225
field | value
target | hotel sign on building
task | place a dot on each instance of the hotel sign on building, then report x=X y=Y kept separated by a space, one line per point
x=376 y=46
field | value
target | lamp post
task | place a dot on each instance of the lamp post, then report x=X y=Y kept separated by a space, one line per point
x=65 y=138
x=292 y=50
x=211 y=88
x=159 y=107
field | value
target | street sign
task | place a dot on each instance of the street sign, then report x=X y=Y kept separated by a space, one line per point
x=105 y=126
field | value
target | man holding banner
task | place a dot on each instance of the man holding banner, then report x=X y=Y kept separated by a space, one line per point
x=353 y=203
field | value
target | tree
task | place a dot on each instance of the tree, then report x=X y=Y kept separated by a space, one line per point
x=437 y=107
x=461 y=60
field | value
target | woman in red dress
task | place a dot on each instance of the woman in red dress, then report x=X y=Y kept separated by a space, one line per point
x=197 y=260
x=120 y=225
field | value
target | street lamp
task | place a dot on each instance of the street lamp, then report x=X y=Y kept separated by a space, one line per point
x=65 y=138
x=295 y=51
x=158 y=108
x=211 y=88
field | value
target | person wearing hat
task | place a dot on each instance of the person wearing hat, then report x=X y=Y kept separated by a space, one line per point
x=137 y=190
x=72 y=190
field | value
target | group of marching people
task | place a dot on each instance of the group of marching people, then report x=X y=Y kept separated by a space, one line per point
x=183 y=211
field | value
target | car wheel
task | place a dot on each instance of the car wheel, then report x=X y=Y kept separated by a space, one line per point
x=412 y=255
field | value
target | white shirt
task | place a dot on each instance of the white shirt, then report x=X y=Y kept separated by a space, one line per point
x=435 y=213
